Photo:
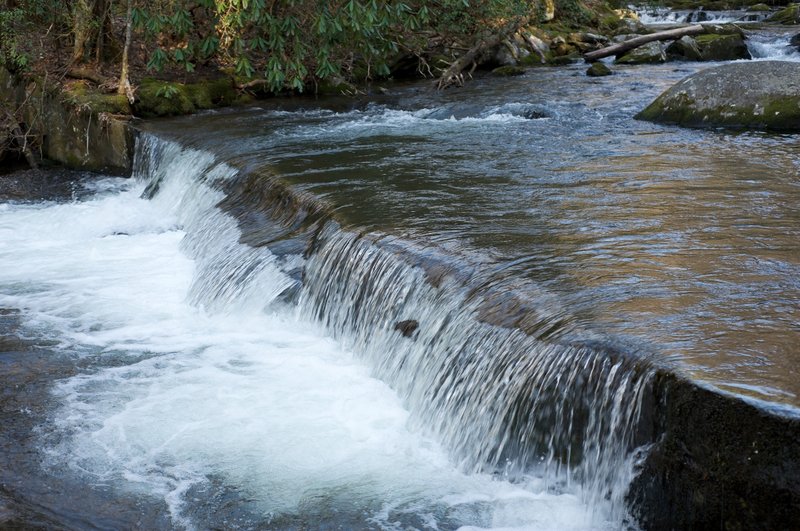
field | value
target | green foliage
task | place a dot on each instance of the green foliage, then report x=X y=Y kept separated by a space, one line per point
x=12 y=21
x=167 y=91
x=289 y=43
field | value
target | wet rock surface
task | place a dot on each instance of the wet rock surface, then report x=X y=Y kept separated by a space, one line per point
x=760 y=95
x=720 y=463
x=43 y=184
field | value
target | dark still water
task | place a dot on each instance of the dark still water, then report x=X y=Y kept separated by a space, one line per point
x=683 y=243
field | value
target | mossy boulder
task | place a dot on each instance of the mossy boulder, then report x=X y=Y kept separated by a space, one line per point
x=789 y=15
x=722 y=47
x=165 y=98
x=759 y=8
x=508 y=70
x=652 y=52
x=759 y=95
x=598 y=69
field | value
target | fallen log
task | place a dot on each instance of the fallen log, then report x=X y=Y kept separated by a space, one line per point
x=87 y=75
x=668 y=35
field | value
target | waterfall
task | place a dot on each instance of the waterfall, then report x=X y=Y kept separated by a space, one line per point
x=506 y=384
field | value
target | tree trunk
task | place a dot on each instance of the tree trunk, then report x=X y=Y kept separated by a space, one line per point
x=81 y=28
x=124 y=84
x=101 y=11
x=617 y=49
x=549 y=10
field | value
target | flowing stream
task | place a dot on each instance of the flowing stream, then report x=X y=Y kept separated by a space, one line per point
x=450 y=319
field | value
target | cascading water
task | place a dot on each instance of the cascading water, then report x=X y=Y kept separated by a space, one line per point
x=217 y=388
x=654 y=16
x=773 y=46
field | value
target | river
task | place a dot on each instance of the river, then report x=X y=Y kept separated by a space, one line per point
x=177 y=358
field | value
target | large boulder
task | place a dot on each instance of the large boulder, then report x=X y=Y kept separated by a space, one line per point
x=722 y=47
x=720 y=43
x=757 y=95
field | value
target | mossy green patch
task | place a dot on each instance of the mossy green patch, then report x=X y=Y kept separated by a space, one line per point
x=782 y=114
x=81 y=96
x=789 y=15
x=164 y=98
x=598 y=69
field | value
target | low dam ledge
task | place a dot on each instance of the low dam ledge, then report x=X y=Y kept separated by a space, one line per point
x=710 y=459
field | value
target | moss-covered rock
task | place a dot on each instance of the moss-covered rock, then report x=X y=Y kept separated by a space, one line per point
x=759 y=8
x=508 y=70
x=652 y=52
x=598 y=69
x=80 y=94
x=722 y=47
x=165 y=98
x=757 y=95
x=789 y=15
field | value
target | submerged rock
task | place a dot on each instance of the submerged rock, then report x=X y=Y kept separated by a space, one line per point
x=758 y=95
x=407 y=328
x=598 y=69
x=508 y=70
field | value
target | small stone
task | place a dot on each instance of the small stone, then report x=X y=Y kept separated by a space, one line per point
x=598 y=69
x=407 y=327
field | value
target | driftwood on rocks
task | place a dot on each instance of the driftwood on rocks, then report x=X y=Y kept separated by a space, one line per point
x=454 y=76
x=631 y=44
